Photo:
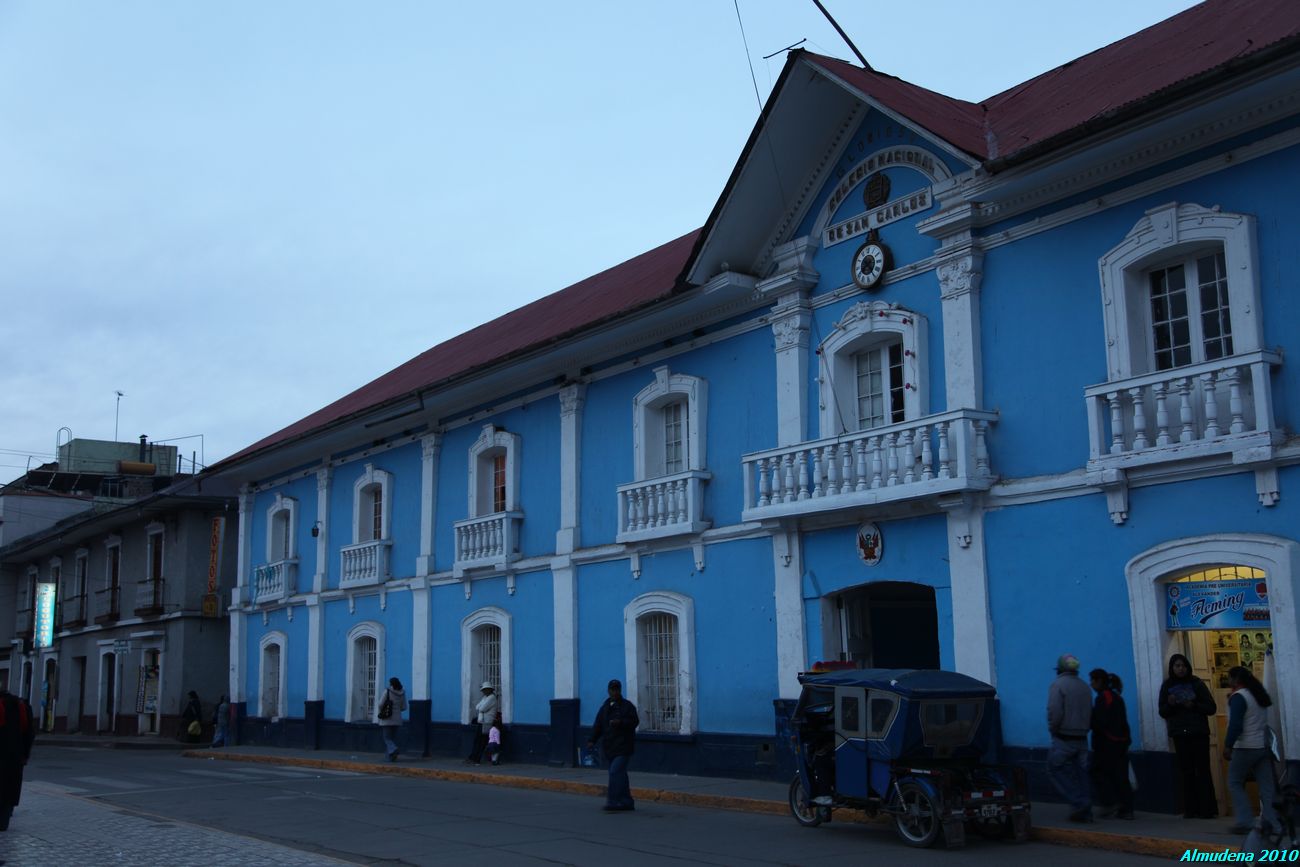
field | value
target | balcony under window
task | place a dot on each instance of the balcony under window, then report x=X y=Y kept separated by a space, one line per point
x=932 y=455
x=489 y=541
x=275 y=581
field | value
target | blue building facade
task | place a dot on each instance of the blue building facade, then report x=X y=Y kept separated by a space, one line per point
x=936 y=385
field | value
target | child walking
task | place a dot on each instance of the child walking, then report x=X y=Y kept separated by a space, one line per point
x=494 y=740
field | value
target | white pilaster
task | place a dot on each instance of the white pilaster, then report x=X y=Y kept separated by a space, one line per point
x=238 y=656
x=571 y=400
x=420 y=650
x=430 y=449
x=315 y=649
x=790 y=320
x=564 y=581
x=791 y=644
x=323 y=476
x=245 y=530
x=959 y=284
x=972 y=622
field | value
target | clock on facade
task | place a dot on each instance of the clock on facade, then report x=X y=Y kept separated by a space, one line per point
x=870 y=262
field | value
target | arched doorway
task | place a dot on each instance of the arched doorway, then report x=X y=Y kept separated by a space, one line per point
x=887 y=624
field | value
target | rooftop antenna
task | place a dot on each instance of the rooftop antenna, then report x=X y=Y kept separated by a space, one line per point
x=117 y=413
x=844 y=36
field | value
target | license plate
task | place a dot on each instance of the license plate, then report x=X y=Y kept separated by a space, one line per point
x=990 y=811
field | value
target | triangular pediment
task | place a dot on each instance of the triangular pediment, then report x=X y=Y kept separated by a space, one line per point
x=818 y=128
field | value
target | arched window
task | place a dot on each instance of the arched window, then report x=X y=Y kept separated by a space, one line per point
x=365 y=670
x=668 y=425
x=659 y=650
x=874 y=370
x=486 y=657
x=1181 y=288
x=271 y=675
x=282 y=529
x=371 y=501
x=494 y=472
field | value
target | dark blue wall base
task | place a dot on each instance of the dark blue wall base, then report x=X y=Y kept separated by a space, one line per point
x=313 y=716
x=238 y=713
x=420 y=715
x=1157 y=790
x=565 y=715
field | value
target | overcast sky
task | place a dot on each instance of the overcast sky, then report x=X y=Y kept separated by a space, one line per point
x=236 y=212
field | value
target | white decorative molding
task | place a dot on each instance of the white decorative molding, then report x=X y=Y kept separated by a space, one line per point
x=354 y=690
x=370 y=479
x=430 y=450
x=920 y=160
x=572 y=398
x=242 y=545
x=863 y=326
x=315 y=649
x=421 y=651
x=1166 y=232
x=469 y=685
x=282 y=641
x=1153 y=643
x=564 y=590
x=491 y=440
x=791 y=642
x=668 y=388
x=683 y=608
x=972 y=616
x=289 y=505
x=960 y=275
x=791 y=323
x=324 y=476
x=794 y=269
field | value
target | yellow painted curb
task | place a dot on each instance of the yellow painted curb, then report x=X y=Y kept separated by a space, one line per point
x=1079 y=838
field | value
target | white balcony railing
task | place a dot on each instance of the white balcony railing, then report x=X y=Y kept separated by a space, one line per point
x=487 y=541
x=274 y=581
x=666 y=506
x=1217 y=407
x=364 y=563
x=937 y=454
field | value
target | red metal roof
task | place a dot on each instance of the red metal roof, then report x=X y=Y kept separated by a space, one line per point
x=633 y=284
x=1180 y=50
x=1027 y=118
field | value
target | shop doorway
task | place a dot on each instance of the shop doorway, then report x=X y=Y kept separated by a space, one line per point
x=889 y=624
x=1234 y=599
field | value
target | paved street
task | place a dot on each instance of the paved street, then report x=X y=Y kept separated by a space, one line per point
x=96 y=806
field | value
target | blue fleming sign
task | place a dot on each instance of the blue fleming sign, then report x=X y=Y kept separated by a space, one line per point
x=44 y=630
x=1217 y=604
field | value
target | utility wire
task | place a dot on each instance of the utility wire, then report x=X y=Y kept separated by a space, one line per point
x=776 y=171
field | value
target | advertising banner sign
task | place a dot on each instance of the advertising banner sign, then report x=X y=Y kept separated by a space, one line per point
x=1217 y=604
x=45 y=598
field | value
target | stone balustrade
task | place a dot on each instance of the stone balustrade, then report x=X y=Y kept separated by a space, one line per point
x=1202 y=409
x=936 y=454
x=364 y=563
x=666 y=506
x=273 y=581
x=487 y=541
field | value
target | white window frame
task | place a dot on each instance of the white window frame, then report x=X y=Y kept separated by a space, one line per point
x=363 y=521
x=683 y=608
x=289 y=505
x=112 y=542
x=648 y=422
x=469 y=686
x=282 y=641
x=865 y=326
x=154 y=535
x=1169 y=235
x=371 y=629
x=491 y=440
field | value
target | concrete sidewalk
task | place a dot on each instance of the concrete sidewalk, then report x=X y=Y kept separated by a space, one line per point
x=114 y=742
x=1150 y=834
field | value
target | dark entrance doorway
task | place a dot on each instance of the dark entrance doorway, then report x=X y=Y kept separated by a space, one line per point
x=890 y=624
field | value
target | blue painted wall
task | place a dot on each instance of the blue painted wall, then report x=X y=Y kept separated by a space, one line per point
x=304 y=491
x=293 y=656
x=337 y=621
x=1057 y=585
x=916 y=550
x=404 y=463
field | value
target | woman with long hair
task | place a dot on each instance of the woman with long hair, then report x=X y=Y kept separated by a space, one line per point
x=1186 y=705
x=1246 y=748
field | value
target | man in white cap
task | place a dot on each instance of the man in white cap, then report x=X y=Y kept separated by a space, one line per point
x=484 y=713
x=1069 y=717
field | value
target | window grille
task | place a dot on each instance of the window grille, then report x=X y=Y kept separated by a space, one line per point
x=674 y=438
x=280 y=540
x=271 y=684
x=364 y=676
x=659 y=699
x=376 y=512
x=488 y=651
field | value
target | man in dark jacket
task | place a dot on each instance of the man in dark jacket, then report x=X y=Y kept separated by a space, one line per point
x=17 y=731
x=615 y=728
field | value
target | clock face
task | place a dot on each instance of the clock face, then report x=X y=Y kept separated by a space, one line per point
x=868 y=264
